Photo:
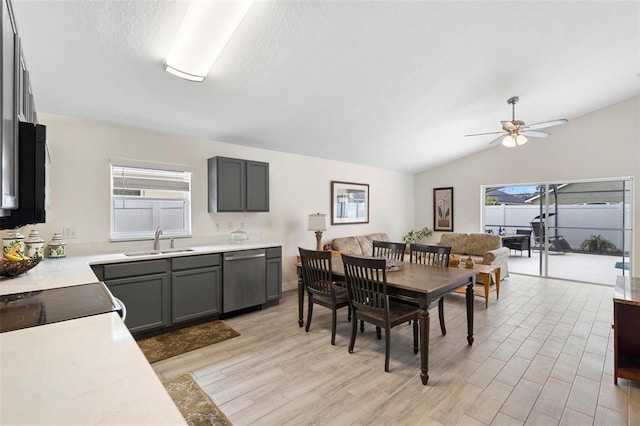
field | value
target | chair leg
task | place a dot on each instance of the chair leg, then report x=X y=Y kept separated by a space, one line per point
x=441 y=315
x=334 y=314
x=378 y=333
x=415 y=337
x=361 y=326
x=387 y=348
x=354 y=331
x=348 y=313
x=306 y=328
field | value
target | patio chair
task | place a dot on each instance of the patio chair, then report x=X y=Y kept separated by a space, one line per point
x=520 y=245
x=556 y=242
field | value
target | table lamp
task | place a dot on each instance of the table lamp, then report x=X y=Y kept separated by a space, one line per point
x=317 y=223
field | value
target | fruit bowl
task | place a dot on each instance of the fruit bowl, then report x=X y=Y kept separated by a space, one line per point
x=11 y=269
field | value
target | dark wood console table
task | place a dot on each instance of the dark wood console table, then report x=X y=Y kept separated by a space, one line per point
x=626 y=329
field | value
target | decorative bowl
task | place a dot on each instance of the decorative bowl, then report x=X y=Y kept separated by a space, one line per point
x=11 y=269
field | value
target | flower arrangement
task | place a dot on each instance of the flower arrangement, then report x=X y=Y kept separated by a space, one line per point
x=415 y=236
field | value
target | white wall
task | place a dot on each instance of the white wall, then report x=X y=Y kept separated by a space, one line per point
x=79 y=188
x=603 y=144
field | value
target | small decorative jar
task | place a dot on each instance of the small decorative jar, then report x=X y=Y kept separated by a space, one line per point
x=56 y=248
x=13 y=239
x=34 y=245
x=469 y=264
x=454 y=261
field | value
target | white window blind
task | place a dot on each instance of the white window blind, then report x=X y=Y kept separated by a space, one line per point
x=145 y=196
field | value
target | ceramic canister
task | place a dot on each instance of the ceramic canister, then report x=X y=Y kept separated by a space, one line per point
x=56 y=248
x=34 y=244
x=13 y=239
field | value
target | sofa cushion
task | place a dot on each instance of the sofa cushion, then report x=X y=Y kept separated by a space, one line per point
x=366 y=242
x=479 y=244
x=348 y=245
x=457 y=241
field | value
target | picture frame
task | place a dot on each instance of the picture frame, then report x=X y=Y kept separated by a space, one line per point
x=349 y=203
x=443 y=209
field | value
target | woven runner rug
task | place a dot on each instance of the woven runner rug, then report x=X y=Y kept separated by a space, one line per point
x=184 y=340
x=194 y=404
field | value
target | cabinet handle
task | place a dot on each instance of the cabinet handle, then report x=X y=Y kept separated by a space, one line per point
x=253 y=256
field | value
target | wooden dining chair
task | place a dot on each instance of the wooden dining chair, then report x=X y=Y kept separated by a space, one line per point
x=367 y=290
x=389 y=250
x=437 y=256
x=322 y=290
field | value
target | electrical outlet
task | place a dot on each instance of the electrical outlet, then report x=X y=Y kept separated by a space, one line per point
x=230 y=226
x=69 y=233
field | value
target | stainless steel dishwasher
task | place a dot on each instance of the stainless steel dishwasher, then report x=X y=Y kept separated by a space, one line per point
x=244 y=279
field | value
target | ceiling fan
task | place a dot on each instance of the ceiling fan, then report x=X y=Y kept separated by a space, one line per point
x=515 y=132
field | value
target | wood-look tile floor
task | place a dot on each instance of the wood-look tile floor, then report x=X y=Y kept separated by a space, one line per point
x=543 y=355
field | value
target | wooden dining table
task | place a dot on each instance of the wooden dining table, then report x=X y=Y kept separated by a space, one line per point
x=426 y=284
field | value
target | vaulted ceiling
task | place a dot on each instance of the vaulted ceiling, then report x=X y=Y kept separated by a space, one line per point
x=391 y=84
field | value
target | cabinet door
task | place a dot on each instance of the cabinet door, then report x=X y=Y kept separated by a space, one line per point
x=274 y=273
x=196 y=293
x=147 y=301
x=227 y=184
x=257 y=186
x=9 y=111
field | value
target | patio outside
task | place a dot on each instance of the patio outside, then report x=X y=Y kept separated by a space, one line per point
x=590 y=268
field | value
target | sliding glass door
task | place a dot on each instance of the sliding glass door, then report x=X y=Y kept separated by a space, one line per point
x=578 y=230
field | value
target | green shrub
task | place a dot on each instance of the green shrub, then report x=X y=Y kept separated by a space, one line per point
x=597 y=244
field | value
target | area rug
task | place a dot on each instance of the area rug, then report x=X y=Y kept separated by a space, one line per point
x=184 y=340
x=194 y=404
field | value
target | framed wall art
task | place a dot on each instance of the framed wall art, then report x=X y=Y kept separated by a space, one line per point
x=443 y=209
x=349 y=203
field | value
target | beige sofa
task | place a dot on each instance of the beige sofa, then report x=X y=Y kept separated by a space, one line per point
x=361 y=245
x=485 y=249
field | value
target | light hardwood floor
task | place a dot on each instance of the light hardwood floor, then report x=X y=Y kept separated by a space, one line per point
x=542 y=356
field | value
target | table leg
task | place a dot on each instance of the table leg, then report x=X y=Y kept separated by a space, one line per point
x=300 y=300
x=423 y=322
x=529 y=245
x=469 y=314
x=486 y=280
x=498 y=283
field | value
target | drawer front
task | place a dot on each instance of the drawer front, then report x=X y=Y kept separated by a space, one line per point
x=191 y=262
x=274 y=252
x=131 y=269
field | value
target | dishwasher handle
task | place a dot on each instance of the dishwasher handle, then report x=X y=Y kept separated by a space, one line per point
x=251 y=256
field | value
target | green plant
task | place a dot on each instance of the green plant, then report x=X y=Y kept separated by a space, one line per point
x=597 y=244
x=415 y=236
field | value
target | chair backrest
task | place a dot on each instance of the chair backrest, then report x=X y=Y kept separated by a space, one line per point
x=523 y=231
x=538 y=230
x=429 y=255
x=389 y=250
x=316 y=271
x=367 y=283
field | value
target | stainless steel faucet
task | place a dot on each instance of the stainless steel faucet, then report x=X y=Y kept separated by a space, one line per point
x=156 y=239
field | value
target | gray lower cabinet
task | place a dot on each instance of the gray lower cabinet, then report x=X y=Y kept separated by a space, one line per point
x=196 y=287
x=274 y=273
x=162 y=292
x=145 y=289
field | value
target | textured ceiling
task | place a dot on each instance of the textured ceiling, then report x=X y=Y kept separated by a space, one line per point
x=391 y=84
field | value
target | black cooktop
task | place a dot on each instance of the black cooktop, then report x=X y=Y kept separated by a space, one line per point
x=32 y=308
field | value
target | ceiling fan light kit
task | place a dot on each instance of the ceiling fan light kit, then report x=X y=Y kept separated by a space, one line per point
x=205 y=30
x=515 y=132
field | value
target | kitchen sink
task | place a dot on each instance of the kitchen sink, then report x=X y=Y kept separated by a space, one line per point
x=177 y=250
x=156 y=252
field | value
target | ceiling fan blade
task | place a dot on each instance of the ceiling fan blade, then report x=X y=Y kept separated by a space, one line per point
x=534 y=134
x=508 y=125
x=490 y=133
x=545 y=124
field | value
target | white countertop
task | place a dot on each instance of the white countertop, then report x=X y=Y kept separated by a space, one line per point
x=83 y=371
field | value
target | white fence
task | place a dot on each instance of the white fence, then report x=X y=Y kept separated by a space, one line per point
x=575 y=222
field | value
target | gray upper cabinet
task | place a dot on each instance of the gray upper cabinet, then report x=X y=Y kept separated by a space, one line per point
x=9 y=112
x=237 y=185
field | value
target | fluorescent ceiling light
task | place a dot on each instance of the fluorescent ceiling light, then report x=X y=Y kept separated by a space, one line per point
x=206 y=28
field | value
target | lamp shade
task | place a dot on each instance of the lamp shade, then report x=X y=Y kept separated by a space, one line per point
x=509 y=141
x=317 y=222
x=521 y=139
